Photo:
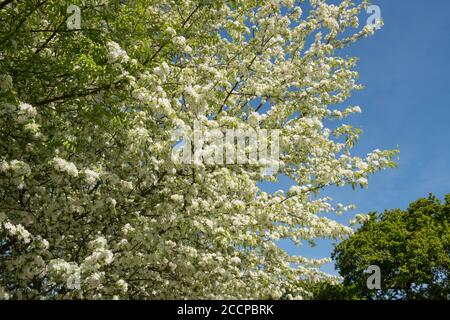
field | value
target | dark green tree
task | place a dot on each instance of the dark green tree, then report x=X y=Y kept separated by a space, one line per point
x=328 y=291
x=412 y=249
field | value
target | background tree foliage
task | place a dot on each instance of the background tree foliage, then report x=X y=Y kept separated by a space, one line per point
x=411 y=247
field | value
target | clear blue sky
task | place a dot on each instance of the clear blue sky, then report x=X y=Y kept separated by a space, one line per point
x=405 y=67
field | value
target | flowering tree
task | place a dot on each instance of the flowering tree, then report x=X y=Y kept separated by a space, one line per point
x=91 y=203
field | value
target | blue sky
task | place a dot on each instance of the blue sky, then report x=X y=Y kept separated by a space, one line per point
x=405 y=67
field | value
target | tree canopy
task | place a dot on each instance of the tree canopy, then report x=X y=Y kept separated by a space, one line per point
x=93 y=206
x=411 y=247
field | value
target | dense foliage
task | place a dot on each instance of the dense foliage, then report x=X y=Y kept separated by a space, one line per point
x=411 y=247
x=92 y=205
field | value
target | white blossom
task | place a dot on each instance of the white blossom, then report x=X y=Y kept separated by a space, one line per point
x=18 y=231
x=91 y=176
x=62 y=165
x=235 y=260
x=359 y=219
x=116 y=53
x=26 y=112
x=123 y=286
